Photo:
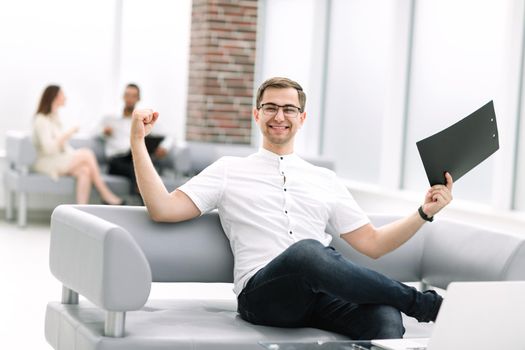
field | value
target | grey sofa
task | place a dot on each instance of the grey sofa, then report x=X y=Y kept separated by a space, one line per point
x=181 y=163
x=111 y=255
x=194 y=156
x=19 y=180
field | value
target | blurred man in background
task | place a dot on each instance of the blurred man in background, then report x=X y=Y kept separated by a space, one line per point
x=116 y=132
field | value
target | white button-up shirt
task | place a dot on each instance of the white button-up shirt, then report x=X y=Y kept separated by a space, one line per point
x=267 y=202
x=117 y=144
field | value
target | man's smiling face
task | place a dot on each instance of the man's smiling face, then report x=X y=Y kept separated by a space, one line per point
x=279 y=130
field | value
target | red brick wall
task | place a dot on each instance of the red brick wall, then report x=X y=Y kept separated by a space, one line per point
x=222 y=60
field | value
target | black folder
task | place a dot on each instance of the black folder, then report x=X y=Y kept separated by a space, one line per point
x=460 y=147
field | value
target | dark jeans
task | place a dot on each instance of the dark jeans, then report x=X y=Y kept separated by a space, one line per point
x=310 y=285
x=123 y=166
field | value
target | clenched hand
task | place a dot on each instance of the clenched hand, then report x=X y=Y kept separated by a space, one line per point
x=142 y=123
x=438 y=197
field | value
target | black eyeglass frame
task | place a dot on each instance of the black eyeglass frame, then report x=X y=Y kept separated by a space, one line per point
x=279 y=106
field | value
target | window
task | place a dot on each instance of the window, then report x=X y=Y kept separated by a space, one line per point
x=463 y=56
x=357 y=86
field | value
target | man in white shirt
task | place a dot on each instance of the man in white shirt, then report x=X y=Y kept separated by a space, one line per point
x=116 y=133
x=274 y=207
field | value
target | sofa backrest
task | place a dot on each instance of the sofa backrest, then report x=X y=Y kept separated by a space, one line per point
x=20 y=151
x=201 y=154
x=403 y=264
x=456 y=251
x=95 y=143
x=190 y=251
x=199 y=251
x=447 y=251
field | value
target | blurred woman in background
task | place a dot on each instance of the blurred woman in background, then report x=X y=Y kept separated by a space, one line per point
x=55 y=157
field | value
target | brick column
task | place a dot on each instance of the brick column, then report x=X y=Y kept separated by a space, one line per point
x=222 y=60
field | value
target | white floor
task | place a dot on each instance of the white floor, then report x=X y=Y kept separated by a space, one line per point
x=26 y=285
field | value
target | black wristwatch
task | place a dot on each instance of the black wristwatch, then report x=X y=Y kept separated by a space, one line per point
x=423 y=215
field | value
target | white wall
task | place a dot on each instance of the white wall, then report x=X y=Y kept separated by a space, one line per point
x=75 y=45
x=155 y=55
x=92 y=49
x=292 y=46
x=55 y=41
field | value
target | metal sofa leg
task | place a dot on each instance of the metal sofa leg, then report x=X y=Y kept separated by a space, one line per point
x=69 y=296
x=115 y=324
x=22 y=209
x=423 y=286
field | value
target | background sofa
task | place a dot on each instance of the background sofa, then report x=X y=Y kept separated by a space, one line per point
x=111 y=256
x=20 y=180
x=192 y=157
x=182 y=162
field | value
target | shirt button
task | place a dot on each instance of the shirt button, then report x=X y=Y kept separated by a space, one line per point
x=285 y=189
x=286 y=211
x=291 y=232
x=281 y=158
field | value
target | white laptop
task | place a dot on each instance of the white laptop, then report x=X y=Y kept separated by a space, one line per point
x=474 y=316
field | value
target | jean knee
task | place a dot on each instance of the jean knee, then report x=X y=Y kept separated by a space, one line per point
x=388 y=323
x=306 y=256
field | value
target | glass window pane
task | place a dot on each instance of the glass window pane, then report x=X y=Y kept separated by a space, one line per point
x=356 y=87
x=456 y=68
x=519 y=195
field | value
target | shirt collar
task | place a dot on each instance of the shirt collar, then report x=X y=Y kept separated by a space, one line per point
x=264 y=153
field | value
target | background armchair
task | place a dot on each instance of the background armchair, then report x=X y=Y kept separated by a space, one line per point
x=111 y=255
x=20 y=180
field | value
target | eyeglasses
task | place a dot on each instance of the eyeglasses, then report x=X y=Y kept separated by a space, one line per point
x=271 y=110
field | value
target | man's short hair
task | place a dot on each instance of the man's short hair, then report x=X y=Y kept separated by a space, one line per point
x=281 y=83
x=134 y=86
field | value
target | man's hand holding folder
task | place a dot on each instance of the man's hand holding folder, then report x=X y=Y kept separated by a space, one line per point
x=438 y=197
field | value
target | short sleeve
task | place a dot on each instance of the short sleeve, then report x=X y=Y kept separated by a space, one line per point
x=345 y=213
x=205 y=189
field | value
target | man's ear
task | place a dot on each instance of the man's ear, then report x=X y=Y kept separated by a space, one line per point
x=256 y=114
x=302 y=118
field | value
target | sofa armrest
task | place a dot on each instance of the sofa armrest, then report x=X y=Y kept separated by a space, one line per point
x=403 y=264
x=98 y=260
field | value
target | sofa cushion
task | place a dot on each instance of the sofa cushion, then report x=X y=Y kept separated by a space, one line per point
x=177 y=324
x=167 y=324
x=37 y=183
